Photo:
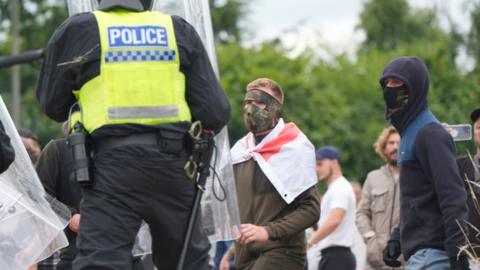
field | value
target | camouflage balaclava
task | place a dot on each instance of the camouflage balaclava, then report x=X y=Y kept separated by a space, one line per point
x=261 y=111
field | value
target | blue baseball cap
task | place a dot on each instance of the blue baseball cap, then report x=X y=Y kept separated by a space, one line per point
x=327 y=152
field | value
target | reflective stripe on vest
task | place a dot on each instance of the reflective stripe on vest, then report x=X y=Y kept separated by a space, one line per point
x=140 y=80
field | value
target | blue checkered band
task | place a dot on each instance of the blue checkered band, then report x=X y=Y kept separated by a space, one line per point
x=140 y=56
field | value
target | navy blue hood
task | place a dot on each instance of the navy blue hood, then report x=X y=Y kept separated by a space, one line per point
x=414 y=73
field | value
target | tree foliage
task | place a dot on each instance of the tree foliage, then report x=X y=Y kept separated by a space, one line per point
x=387 y=24
x=335 y=102
x=38 y=21
x=339 y=102
x=226 y=17
x=473 y=37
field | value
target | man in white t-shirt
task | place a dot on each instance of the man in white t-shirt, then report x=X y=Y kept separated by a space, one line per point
x=336 y=228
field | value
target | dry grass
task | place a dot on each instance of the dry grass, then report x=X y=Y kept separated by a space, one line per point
x=469 y=248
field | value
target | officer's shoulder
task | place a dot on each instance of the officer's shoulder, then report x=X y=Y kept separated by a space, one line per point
x=180 y=23
x=78 y=20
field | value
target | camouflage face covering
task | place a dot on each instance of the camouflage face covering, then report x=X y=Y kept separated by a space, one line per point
x=261 y=111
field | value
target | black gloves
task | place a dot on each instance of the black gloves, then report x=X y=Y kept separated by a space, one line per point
x=391 y=253
x=459 y=264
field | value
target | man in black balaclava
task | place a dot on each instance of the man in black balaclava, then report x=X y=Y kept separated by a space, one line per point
x=433 y=196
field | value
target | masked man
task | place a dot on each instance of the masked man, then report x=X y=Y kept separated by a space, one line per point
x=140 y=79
x=432 y=193
x=274 y=167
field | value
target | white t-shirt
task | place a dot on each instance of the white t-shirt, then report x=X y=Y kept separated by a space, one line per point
x=339 y=195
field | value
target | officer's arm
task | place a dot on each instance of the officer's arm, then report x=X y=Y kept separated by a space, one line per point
x=71 y=59
x=204 y=94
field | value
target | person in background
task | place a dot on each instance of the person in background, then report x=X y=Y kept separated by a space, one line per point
x=336 y=227
x=469 y=170
x=53 y=168
x=30 y=140
x=379 y=210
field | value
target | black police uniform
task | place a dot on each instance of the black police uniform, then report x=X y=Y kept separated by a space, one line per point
x=133 y=181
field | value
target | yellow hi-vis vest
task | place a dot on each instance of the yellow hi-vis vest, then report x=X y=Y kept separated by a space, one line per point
x=140 y=80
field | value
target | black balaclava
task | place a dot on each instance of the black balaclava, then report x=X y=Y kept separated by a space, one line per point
x=406 y=102
x=257 y=119
x=396 y=99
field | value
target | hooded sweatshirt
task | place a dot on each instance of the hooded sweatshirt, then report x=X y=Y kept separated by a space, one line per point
x=432 y=193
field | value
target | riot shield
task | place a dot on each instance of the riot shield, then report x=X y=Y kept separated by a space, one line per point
x=220 y=215
x=31 y=221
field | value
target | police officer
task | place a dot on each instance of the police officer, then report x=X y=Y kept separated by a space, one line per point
x=140 y=79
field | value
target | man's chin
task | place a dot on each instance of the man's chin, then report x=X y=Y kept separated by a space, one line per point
x=392 y=162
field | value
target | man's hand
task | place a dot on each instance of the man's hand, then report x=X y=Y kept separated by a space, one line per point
x=74 y=223
x=252 y=233
x=391 y=253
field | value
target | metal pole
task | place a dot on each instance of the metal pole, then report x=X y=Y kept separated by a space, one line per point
x=15 y=77
x=202 y=151
x=21 y=58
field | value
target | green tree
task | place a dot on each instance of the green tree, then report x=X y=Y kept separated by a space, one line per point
x=339 y=102
x=473 y=37
x=226 y=18
x=387 y=24
x=38 y=21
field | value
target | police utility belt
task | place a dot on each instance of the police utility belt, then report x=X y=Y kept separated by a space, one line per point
x=82 y=151
x=167 y=141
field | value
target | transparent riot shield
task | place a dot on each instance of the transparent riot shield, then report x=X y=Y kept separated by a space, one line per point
x=31 y=221
x=220 y=214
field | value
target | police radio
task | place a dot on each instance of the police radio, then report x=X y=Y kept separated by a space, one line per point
x=81 y=172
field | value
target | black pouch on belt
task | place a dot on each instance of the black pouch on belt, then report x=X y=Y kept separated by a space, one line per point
x=81 y=173
x=171 y=142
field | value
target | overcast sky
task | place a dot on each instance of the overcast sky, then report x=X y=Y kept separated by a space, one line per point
x=329 y=22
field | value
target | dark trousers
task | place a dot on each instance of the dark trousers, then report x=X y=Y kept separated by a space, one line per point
x=335 y=258
x=276 y=259
x=64 y=265
x=134 y=183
